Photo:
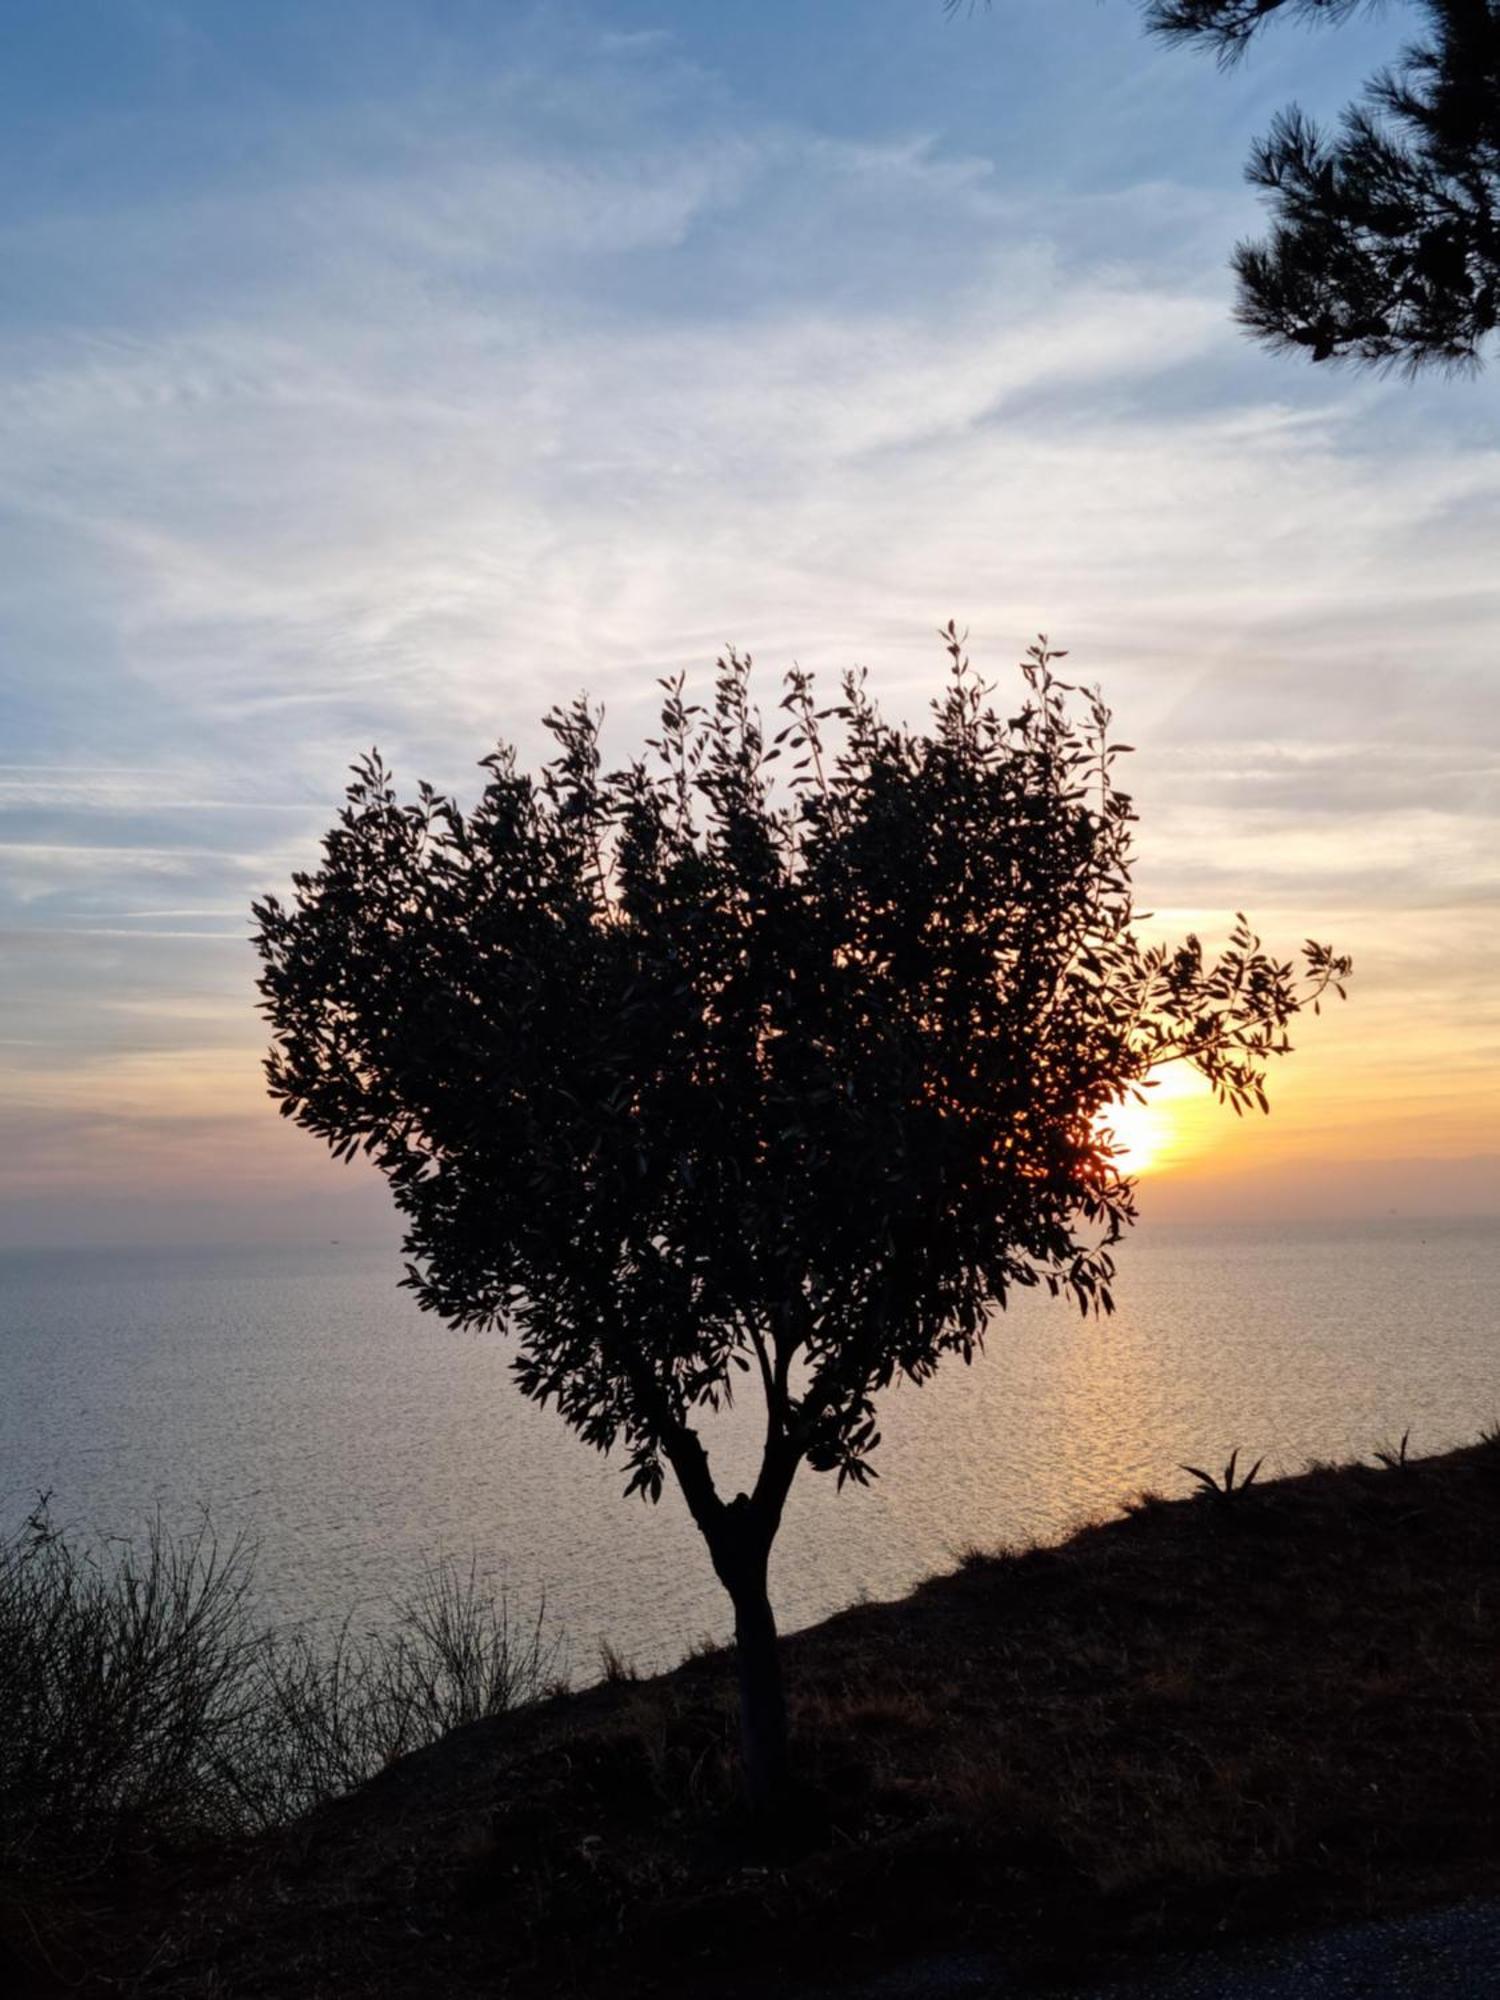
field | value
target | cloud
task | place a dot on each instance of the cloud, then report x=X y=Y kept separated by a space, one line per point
x=405 y=451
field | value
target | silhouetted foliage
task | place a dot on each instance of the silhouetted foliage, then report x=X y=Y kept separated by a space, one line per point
x=1384 y=247
x=1385 y=244
x=701 y=1083
x=144 y=1704
x=1228 y=26
x=122 y=1679
x=1229 y=1482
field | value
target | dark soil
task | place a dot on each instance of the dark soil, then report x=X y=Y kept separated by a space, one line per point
x=1209 y=1718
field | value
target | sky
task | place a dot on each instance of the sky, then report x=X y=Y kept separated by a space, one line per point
x=384 y=373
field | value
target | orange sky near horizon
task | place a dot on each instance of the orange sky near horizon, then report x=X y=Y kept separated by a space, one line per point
x=1374 y=1111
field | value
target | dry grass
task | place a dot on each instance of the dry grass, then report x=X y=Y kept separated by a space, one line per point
x=146 y=1716
x=1196 y=1719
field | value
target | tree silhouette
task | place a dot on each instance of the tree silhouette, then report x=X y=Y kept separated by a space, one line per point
x=763 y=1067
x=1384 y=246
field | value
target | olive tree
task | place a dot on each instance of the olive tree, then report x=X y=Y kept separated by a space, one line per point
x=769 y=1064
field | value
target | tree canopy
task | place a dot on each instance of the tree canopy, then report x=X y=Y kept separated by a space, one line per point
x=1384 y=245
x=766 y=1063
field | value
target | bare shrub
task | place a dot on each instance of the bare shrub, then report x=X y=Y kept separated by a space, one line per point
x=330 y=1715
x=125 y=1673
x=143 y=1705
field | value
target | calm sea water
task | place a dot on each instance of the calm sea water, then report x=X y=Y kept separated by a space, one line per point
x=301 y=1396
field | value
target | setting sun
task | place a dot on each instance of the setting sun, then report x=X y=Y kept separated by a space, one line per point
x=1159 y=1128
x=1134 y=1132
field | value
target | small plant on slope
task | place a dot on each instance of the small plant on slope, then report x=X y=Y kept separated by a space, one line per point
x=1394 y=1461
x=1229 y=1482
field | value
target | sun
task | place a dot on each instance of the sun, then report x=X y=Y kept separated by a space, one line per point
x=1161 y=1131
x=1135 y=1131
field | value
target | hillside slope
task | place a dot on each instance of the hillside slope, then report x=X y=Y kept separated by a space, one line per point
x=1206 y=1718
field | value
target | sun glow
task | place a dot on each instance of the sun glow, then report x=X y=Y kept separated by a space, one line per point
x=1158 y=1129
x=1133 y=1132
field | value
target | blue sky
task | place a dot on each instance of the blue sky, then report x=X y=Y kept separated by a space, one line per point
x=385 y=373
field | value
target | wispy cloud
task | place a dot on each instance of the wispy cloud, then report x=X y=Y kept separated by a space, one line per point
x=402 y=442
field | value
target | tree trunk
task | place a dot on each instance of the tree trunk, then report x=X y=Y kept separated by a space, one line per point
x=763 y=1737
x=739 y=1537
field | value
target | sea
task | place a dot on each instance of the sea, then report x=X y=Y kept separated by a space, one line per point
x=300 y=1398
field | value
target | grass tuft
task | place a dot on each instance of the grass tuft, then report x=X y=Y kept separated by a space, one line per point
x=614 y=1669
x=145 y=1710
